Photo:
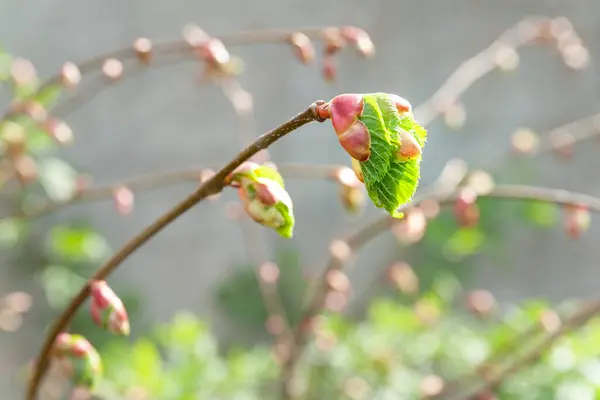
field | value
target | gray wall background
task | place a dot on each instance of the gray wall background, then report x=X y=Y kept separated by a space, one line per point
x=162 y=121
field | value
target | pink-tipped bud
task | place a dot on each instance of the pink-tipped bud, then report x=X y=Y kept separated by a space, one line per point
x=86 y=364
x=358 y=170
x=357 y=141
x=360 y=39
x=333 y=40
x=577 y=220
x=58 y=130
x=351 y=190
x=112 y=69
x=401 y=103
x=329 y=69
x=259 y=198
x=303 y=47
x=107 y=309
x=409 y=147
x=70 y=75
x=143 y=49
x=466 y=210
x=123 y=198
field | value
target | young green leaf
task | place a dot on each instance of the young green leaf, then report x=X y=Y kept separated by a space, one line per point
x=388 y=159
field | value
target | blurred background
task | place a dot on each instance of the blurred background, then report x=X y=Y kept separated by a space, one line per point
x=164 y=119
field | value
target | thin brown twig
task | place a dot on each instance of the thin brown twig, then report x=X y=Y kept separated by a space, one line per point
x=354 y=242
x=575 y=321
x=210 y=187
x=470 y=71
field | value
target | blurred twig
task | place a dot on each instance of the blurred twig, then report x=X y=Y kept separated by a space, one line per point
x=575 y=321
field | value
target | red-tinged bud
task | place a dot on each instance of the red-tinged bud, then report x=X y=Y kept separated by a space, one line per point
x=409 y=147
x=86 y=364
x=26 y=169
x=70 y=75
x=466 y=211
x=112 y=69
x=577 y=220
x=403 y=277
x=333 y=40
x=401 y=103
x=303 y=47
x=351 y=190
x=123 y=198
x=259 y=199
x=357 y=170
x=356 y=141
x=58 y=130
x=329 y=69
x=481 y=302
x=107 y=310
x=360 y=39
x=143 y=49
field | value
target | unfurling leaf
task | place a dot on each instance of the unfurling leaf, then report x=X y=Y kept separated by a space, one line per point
x=263 y=195
x=107 y=309
x=84 y=361
x=379 y=132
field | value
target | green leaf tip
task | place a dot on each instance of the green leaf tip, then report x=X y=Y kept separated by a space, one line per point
x=263 y=195
x=388 y=160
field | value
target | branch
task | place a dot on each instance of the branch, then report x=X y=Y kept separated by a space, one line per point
x=342 y=250
x=502 y=50
x=210 y=187
x=572 y=323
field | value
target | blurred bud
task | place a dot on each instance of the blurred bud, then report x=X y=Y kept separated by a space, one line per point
x=426 y=312
x=303 y=47
x=352 y=134
x=576 y=56
x=214 y=53
x=336 y=301
x=563 y=144
x=356 y=388
x=430 y=207
x=10 y=320
x=275 y=325
x=23 y=72
x=455 y=115
x=352 y=192
x=194 y=35
x=58 y=130
x=70 y=75
x=325 y=340
x=357 y=170
x=340 y=250
x=26 y=169
x=337 y=281
x=329 y=69
x=143 y=49
x=123 y=199
x=409 y=147
x=411 y=228
x=550 y=321
x=404 y=278
x=31 y=108
x=507 y=58
x=525 y=141
x=481 y=182
x=431 y=386
x=85 y=361
x=269 y=273
x=107 y=310
x=19 y=302
x=14 y=138
x=466 y=211
x=360 y=39
x=577 y=220
x=480 y=302
x=332 y=40
x=112 y=69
